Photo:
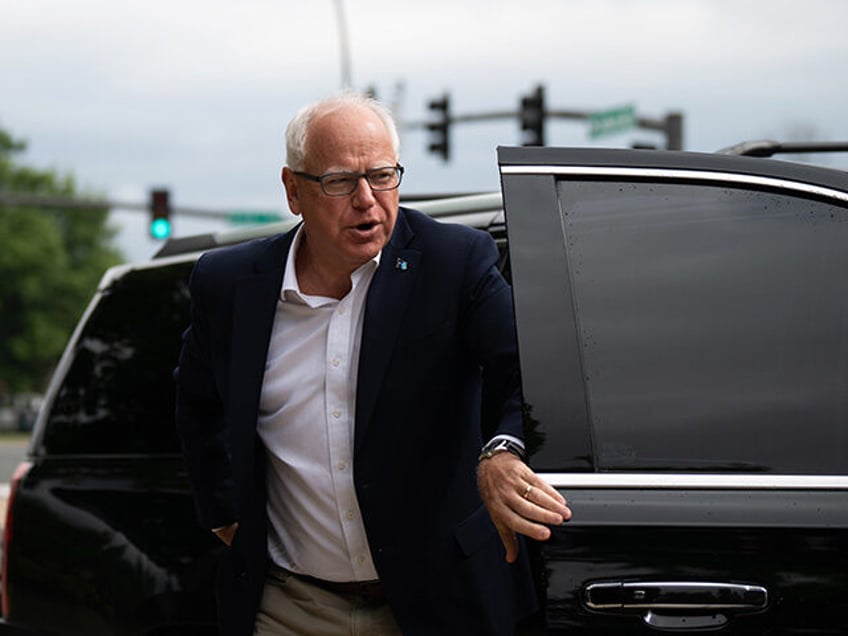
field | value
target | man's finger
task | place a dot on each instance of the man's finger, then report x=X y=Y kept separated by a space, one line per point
x=510 y=543
x=540 y=485
x=541 y=504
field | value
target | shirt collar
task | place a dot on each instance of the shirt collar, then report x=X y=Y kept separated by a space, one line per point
x=291 y=289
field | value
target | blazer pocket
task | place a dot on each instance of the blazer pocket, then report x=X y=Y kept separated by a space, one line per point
x=474 y=531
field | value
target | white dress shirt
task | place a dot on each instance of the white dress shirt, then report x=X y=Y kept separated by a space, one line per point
x=306 y=421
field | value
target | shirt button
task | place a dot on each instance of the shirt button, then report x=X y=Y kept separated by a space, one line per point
x=336 y=361
x=349 y=515
x=342 y=311
x=360 y=560
x=337 y=413
x=341 y=465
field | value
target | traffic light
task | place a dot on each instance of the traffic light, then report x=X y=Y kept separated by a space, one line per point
x=440 y=128
x=533 y=117
x=160 y=215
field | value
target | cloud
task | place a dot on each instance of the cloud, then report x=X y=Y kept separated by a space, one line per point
x=195 y=93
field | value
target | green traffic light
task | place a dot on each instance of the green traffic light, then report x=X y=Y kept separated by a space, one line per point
x=160 y=229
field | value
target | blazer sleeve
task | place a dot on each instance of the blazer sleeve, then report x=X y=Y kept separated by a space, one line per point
x=200 y=420
x=490 y=332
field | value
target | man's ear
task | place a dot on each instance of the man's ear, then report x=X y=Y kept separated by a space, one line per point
x=292 y=194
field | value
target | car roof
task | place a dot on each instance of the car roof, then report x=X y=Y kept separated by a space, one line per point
x=476 y=210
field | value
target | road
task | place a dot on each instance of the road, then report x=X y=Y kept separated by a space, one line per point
x=12 y=452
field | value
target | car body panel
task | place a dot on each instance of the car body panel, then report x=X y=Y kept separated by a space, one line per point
x=103 y=533
x=110 y=548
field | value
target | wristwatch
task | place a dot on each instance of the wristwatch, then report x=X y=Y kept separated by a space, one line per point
x=502 y=445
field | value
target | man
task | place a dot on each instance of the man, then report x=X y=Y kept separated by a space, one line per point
x=334 y=391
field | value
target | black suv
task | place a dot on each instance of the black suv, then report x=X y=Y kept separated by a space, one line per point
x=683 y=332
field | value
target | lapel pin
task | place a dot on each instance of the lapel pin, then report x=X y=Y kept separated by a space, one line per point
x=401 y=264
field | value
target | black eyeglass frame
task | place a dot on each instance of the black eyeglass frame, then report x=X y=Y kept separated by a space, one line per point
x=355 y=177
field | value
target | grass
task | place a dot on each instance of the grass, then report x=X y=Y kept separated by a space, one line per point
x=14 y=436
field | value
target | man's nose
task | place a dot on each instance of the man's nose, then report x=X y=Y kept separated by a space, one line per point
x=363 y=195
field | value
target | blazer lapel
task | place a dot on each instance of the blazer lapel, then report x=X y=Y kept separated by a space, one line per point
x=388 y=300
x=254 y=308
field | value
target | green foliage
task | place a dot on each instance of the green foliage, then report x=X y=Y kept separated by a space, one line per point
x=51 y=260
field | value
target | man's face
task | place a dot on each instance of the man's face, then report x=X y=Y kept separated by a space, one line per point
x=343 y=232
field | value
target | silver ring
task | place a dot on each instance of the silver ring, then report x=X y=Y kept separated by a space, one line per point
x=527 y=490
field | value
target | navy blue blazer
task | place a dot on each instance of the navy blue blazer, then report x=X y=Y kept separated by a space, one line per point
x=438 y=374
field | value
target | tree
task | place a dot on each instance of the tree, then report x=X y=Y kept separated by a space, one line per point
x=51 y=260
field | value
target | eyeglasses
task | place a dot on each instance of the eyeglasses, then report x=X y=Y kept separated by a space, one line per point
x=340 y=184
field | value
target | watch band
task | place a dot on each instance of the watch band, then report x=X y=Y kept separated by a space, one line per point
x=502 y=445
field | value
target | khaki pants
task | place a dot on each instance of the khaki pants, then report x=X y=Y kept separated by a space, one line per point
x=294 y=607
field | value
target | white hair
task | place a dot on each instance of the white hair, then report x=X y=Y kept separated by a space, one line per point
x=298 y=128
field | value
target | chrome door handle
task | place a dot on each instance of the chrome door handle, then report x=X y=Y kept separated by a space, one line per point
x=693 y=605
x=675 y=595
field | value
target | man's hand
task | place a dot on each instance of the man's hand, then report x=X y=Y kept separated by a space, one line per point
x=518 y=501
x=227 y=533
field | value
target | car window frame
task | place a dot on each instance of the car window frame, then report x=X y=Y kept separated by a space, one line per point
x=530 y=178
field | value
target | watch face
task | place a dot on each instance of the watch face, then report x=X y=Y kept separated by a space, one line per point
x=502 y=445
x=498 y=444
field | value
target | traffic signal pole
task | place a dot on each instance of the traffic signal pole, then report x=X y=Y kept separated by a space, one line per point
x=532 y=115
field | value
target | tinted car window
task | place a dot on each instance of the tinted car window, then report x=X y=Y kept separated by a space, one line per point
x=118 y=395
x=713 y=323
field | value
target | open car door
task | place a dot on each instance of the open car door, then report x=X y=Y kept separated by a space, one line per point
x=683 y=330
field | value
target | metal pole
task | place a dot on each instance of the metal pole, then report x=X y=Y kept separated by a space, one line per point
x=344 y=45
x=67 y=203
x=674 y=131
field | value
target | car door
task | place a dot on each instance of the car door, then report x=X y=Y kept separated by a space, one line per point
x=683 y=332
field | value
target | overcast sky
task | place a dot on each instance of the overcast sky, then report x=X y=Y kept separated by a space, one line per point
x=194 y=95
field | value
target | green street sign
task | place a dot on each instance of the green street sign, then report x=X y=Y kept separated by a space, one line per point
x=253 y=218
x=607 y=122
